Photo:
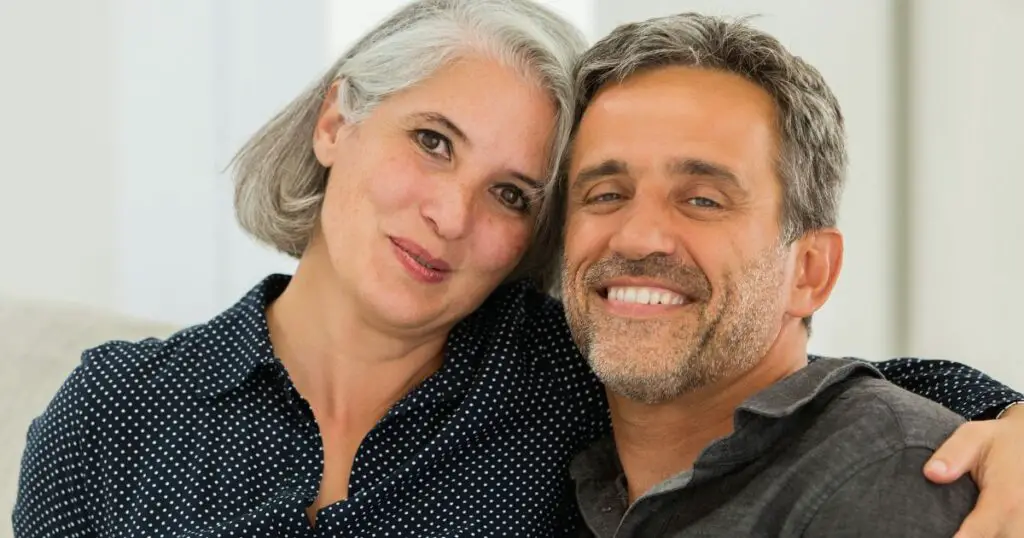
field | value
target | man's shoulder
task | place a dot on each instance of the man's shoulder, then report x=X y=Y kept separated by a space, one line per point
x=856 y=462
x=870 y=443
x=884 y=415
x=843 y=409
x=847 y=427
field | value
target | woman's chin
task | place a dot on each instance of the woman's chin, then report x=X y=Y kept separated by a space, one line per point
x=408 y=313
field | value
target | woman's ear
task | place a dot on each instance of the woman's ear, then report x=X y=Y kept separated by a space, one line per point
x=327 y=134
x=818 y=259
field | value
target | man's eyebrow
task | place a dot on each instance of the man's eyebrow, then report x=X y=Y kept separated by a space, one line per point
x=437 y=117
x=606 y=168
x=700 y=167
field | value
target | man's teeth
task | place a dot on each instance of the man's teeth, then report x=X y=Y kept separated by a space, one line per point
x=637 y=295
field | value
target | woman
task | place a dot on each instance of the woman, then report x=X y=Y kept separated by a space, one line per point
x=411 y=379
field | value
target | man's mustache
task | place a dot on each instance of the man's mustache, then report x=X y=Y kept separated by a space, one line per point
x=688 y=278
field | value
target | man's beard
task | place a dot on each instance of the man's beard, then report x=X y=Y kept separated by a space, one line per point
x=656 y=360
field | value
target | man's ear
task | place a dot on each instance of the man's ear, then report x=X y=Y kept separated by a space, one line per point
x=328 y=131
x=818 y=259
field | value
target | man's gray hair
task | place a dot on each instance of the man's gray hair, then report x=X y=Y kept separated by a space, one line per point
x=811 y=164
x=279 y=184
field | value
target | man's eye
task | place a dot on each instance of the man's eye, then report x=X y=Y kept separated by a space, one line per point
x=434 y=143
x=700 y=201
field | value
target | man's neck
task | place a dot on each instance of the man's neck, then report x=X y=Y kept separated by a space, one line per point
x=656 y=442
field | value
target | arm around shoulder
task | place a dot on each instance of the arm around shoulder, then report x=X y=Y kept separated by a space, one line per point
x=52 y=497
x=977 y=397
x=891 y=497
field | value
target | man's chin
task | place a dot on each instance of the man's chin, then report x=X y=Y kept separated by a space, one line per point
x=629 y=333
x=640 y=372
x=646 y=390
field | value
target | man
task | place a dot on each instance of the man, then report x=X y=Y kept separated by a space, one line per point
x=703 y=187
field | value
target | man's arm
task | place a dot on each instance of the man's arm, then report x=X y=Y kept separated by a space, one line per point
x=890 y=497
x=962 y=389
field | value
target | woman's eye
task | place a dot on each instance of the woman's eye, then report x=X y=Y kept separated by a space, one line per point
x=434 y=143
x=512 y=197
x=700 y=201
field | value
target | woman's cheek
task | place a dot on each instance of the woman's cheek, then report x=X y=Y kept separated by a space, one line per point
x=500 y=248
x=396 y=185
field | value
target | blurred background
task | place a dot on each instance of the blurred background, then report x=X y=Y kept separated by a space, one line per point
x=118 y=117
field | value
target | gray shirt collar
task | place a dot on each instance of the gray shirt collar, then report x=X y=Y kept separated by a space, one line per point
x=759 y=423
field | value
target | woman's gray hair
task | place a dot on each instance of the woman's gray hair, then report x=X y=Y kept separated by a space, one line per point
x=279 y=184
x=811 y=164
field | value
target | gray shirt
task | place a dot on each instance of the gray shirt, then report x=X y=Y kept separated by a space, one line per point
x=832 y=450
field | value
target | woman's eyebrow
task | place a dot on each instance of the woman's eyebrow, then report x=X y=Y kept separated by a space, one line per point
x=437 y=117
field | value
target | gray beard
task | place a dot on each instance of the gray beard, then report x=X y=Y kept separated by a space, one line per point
x=652 y=361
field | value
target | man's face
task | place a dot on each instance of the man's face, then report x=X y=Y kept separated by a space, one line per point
x=675 y=275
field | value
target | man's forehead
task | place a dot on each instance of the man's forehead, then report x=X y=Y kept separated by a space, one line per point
x=675 y=79
x=669 y=88
x=675 y=114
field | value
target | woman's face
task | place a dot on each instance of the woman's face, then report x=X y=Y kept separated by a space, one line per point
x=431 y=199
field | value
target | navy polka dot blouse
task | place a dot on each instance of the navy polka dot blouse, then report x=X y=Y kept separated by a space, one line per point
x=204 y=435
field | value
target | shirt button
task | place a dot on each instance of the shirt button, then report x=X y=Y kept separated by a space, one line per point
x=606 y=509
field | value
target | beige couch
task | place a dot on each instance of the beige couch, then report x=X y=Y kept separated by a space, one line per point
x=40 y=344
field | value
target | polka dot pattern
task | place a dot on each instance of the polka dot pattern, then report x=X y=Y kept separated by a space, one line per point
x=203 y=435
x=962 y=389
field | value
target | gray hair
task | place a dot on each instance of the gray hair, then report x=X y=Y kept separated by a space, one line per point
x=279 y=184
x=812 y=154
x=811 y=164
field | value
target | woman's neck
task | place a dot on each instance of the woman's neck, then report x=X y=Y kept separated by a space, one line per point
x=348 y=369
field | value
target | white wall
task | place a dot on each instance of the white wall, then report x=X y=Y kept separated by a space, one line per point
x=119 y=117
x=582 y=13
x=57 y=180
x=194 y=80
x=967 y=191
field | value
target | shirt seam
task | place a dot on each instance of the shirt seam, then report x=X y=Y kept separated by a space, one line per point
x=865 y=464
x=889 y=450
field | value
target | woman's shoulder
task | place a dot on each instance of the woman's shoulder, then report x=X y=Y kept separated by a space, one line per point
x=94 y=413
x=205 y=358
x=122 y=366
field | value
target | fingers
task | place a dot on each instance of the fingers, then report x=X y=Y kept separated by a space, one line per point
x=989 y=519
x=961 y=453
